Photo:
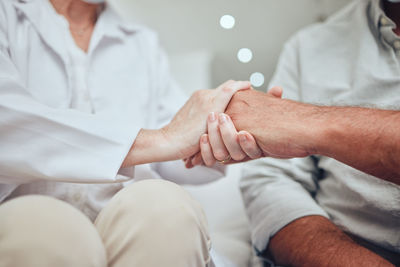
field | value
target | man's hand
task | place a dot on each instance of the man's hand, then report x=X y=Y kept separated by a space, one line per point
x=363 y=138
x=315 y=241
x=282 y=128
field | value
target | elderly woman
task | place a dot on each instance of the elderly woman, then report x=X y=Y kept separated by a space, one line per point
x=84 y=97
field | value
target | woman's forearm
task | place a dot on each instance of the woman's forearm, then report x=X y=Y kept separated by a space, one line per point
x=150 y=146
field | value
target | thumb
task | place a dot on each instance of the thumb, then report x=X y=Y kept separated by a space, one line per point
x=231 y=87
x=275 y=91
x=225 y=92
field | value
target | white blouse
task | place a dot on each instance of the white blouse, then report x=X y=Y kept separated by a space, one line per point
x=67 y=118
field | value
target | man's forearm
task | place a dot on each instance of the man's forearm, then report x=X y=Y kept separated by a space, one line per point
x=366 y=139
x=315 y=241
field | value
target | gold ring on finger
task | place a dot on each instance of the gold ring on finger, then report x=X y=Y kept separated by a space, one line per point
x=225 y=160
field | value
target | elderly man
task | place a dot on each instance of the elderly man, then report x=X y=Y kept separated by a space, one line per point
x=341 y=206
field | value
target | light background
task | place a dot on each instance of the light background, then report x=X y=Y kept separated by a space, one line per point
x=206 y=53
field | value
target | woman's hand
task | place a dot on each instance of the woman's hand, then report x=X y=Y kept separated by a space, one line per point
x=224 y=144
x=184 y=131
x=180 y=138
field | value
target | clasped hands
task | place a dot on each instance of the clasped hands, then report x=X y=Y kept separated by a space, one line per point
x=243 y=124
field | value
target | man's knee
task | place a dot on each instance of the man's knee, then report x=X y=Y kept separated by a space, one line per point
x=42 y=231
x=156 y=216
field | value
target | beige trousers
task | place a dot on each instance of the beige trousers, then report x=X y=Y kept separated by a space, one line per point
x=152 y=223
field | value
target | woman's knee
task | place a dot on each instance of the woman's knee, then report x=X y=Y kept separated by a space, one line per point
x=42 y=231
x=155 y=199
x=155 y=216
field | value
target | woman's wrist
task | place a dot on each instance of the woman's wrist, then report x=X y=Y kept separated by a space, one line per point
x=176 y=144
x=151 y=146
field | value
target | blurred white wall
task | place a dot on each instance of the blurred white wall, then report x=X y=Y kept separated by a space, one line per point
x=190 y=26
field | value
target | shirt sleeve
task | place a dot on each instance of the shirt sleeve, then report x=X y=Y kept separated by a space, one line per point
x=38 y=142
x=277 y=192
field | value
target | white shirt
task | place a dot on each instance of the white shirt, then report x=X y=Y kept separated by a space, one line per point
x=81 y=99
x=68 y=119
x=351 y=59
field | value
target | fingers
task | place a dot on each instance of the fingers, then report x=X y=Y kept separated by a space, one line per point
x=217 y=144
x=226 y=91
x=249 y=145
x=230 y=137
x=197 y=160
x=193 y=161
x=188 y=163
x=233 y=86
x=206 y=151
x=276 y=91
x=223 y=141
x=204 y=157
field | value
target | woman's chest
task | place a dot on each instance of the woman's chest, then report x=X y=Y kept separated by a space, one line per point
x=116 y=78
